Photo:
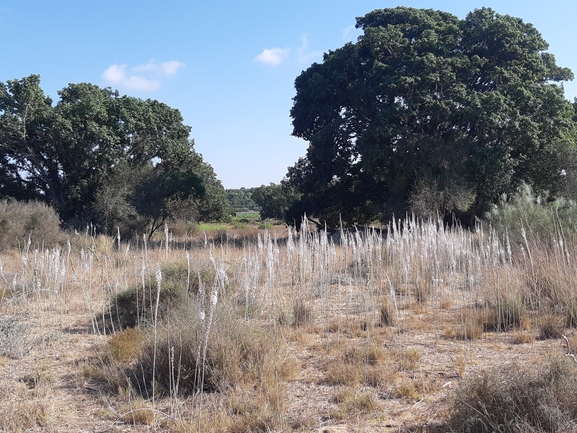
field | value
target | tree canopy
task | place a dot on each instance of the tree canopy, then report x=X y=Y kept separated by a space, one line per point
x=241 y=199
x=98 y=156
x=274 y=200
x=428 y=113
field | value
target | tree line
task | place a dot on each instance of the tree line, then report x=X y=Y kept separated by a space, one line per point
x=425 y=113
x=95 y=156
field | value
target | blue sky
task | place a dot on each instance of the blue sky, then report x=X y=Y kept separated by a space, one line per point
x=228 y=66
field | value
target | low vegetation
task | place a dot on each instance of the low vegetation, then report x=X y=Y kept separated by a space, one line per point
x=25 y=225
x=518 y=398
x=183 y=307
x=252 y=329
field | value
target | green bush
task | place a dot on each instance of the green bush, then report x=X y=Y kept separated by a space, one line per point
x=518 y=399
x=137 y=305
x=246 y=218
x=533 y=214
x=23 y=221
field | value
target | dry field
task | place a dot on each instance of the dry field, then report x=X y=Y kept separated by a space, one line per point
x=258 y=331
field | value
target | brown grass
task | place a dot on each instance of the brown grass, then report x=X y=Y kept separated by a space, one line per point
x=550 y=326
x=505 y=399
x=320 y=344
x=352 y=404
x=406 y=359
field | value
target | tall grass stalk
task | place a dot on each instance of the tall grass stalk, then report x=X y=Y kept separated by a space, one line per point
x=485 y=281
x=155 y=327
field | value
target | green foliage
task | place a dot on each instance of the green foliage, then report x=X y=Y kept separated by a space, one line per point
x=137 y=305
x=142 y=198
x=429 y=200
x=526 y=214
x=518 y=398
x=213 y=227
x=214 y=206
x=244 y=219
x=33 y=221
x=241 y=199
x=274 y=200
x=430 y=113
x=97 y=156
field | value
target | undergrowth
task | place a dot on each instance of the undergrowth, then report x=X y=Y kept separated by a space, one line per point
x=518 y=398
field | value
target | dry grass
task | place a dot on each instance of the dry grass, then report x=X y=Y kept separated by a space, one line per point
x=550 y=326
x=469 y=329
x=351 y=403
x=518 y=398
x=255 y=334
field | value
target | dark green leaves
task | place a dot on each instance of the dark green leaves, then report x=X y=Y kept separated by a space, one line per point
x=426 y=97
x=100 y=157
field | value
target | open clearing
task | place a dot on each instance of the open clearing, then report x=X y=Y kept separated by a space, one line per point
x=374 y=334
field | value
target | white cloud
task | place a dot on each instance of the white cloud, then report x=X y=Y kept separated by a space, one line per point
x=168 y=68
x=145 y=77
x=303 y=55
x=273 y=56
x=351 y=33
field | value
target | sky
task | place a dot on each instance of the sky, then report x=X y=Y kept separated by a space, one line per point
x=228 y=66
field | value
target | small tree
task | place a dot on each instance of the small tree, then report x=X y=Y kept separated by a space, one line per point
x=524 y=211
x=274 y=200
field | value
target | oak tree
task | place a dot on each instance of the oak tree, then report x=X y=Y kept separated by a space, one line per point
x=98 y=156
x=428 y=112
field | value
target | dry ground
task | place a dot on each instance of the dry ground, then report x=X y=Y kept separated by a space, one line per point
x=353 y=372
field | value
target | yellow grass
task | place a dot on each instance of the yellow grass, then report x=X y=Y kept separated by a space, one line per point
x=324 y=335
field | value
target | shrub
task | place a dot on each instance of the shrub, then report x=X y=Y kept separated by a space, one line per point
x=365 y=364
x=518 y=398
x=191 y=356
x=15 y=338
x=124 y=346
x=471 y=329
x=183 y=228
x=507 y=313
x=137 y=305
x=116 y=352
x=525 y=212
x=302 y=313
x=23 y=221
x=352 y=403
x=550 y=326
x=388 y=313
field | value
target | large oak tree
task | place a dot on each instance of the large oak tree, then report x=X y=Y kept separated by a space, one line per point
x=98 y=156
x=430 y=113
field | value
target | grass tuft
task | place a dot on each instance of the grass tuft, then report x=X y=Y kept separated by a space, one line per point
x=518 y=398
x=232 y=353
x=351 y=403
